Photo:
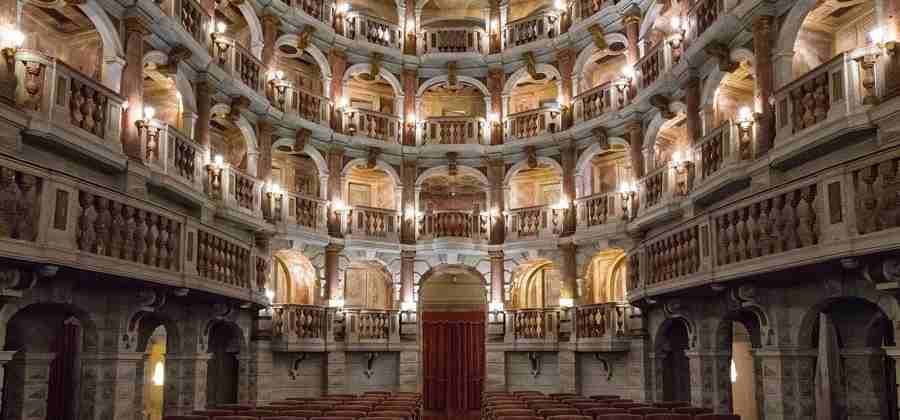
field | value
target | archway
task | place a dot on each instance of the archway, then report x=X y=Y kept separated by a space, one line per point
x=453 y=304
x=154 y=375
x=295 y=281
x=604 y=278
x=222 y=375
x=57 y=335
x=672 y=343
x=453 y=113
x=535 y=285
x=737 y=337
x=451 y=203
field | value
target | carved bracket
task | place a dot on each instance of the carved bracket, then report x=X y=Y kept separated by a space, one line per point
x=372 y=158
x=304 y=38
x=599 y=39
x=531 y=157
x=605 y=366
x=238 y=105
x=534 y=360
x=531 y=66
x=370 y=364
x=294 y=372
x=602 y=137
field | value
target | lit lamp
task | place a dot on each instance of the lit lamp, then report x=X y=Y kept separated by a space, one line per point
x=677 y=37
x=214 y=170
x=625 y=88
x=684 y=174
x=220 y=41
x=566 y=302
x=867 y=64
x=274 y=200
x=559 y=211
x=279 y=87
x=411 y=121
x=408 y=306
x=745 y=133
x=152 y=133
x=270 y=295
x=10 y=40
x=627 y=192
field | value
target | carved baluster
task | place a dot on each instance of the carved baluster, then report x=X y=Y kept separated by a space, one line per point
x=150 y=239
x=116 y=227
x=86 y=235
x=806 y=217
x=778 y=224
x=790 y=220
x=163 y=243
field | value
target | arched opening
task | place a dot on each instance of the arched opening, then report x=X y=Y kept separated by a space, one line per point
x=161 y=94
x=66 y=33
x=295 y=281
x=55 y=336
x=534 y=106
x=831 y=28
x=540 y=185
x=296 y=172
x=738 y=336
x=454 y=27
x=154 y=374
x=535 y=285
x=230 y=22
x=222 y=374
x=604 y=278
x=371 y=106
x=670 y=147
x=453 y=302
x=451 y=204
x=604 y=172
x=604 y=67
x=296 y=83
x=228 y=143
x=848 y=335
x=454 y=114
x=673 y=364
x=368 y=285
x=370 y=187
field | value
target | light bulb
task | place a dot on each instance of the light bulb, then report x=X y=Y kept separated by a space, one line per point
x=149 y=112
x=270 y=295
x=628 y=72
x=876 y=35
x=221 y=27
x=279 y=74
x=13 y=38
x=219 y=160
x=676 y=22
x=744 y=114
x=734 y=372
x=159 y=374
x=343 y=8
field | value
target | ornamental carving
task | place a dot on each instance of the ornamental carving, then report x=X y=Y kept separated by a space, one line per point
x=305 y=37
x=877 y=197
x=19 y=204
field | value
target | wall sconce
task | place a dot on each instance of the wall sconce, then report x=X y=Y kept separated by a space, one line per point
x=337 y=205
x=11 y=39
x=684 y=174
x=214 y=171
x=343 y=102
x=745 y=121
x=220 y=41
x=273 y=201
x=143 y=125
x=279 y=87
x=627 y=192
x=270 y=295
x=343 y=8
x=566 y=302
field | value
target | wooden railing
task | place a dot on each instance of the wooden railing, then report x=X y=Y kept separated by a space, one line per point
x=702 y=16
x=237 y=61
x=452 y=224
x=653 y=64
x=454 y=130
x=377 y=31
x=371 y=124
x=69 y=102
x=307 y=212
x=721 y=149
x=534 y=324
x=191 y=15
x=583 y=9
x=321 y=10
x=309 y=106
x=541 y=26
x=599 y=209
x=236 y=190
x=601 y=99
x=655 y=188
x=223 y=260
x=533 y=123
x=454 y=40
x=292 y=322
x=533 y=222
x=170 y=152
x=826 y=94
x=603 y=320
x=371 y=325
x=373 y=222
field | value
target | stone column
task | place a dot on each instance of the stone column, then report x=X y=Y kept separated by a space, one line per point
x=332 y=251
x=496 y=174
x=568 y=270
x=864 y=371
x=133 y=85
x=204 y=114
x=632 y=23
x=496 y=79
x=188 y=372
x=763 y=27
x=337 y=59
x=335 y=187
x=26 y=386
x=265 y=131
x=408 y=208
x=336 y=372
x=692 y=105
x=260 y=369
x=708 y=387
x=568 y=154
x=407 y=275
x=113 y=374
x=634 y=131
x=410 y=88
x=788 y=382
x=497 y=274
x=270 y=35
x=566 y=64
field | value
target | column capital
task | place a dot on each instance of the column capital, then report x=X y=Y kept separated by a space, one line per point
x=334 y=248
x=763 y=24
x=631 y=19
x=268 y=20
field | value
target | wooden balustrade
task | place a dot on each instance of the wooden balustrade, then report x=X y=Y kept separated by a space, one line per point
x=372 y=222
x=533 y=123
x=652 y=65
x=600 y=320
x=362 y=27
x=372 y=325
x=543 y=25
x=310 y=107
x=535 y=324
x=673 y=256
x=702 y=16
x=70 y=102
x=191 y=15
x=237 y=61
x=243 y=189
x=533 y=222
x=374 y=125
x=222 y=260
x=599 y=209
x=454 y=40
x=712 y=152
x=593 y=103
x=654 y=187
x=321 y=10
x=302 y=322
x=20 y=193
x=170 y=152
x=454 y=130
x=452 y=224
x=828 y=93
x=307 y=212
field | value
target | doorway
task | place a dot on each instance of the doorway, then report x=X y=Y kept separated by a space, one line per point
x=453 y=304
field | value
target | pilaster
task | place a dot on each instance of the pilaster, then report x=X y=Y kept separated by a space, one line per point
x=788 y=381
x=765 y=83
x=336 y=371
x=568 y=372
x=27 y=377
x=187 y=374
x=114 y=389
x=133 y=85
x=495 y=370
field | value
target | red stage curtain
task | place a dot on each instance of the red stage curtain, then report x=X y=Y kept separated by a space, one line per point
x=453 y=360
x=61 y=386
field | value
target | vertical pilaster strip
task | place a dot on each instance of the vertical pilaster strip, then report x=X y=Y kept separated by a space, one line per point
x=336 y=371
x=133 y=85
x=264 y=165
x=765 y=83
x=332 y=251
x=692 y=105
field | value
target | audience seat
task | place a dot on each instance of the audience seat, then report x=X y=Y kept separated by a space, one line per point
x=211 y=413
x=692 y=410
x=594 y=412
x=258 y=412
x=627 y=405
x=391 y=413
x=318 y=407
x=346 y=413
x=562 y=395
x=520 y=418
x=187 y=417
x=671 y=404
x=234 y=407
x=301 y=413
x=331 y=418
x=569 y=417
x=384 y=418
x=549 y=412
x=236 y=417
x=619 y=417
x=282 y=418
x=717 y=417
x=643 y=411
x=513 y=412
x=669 y=416
x=528 y=393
